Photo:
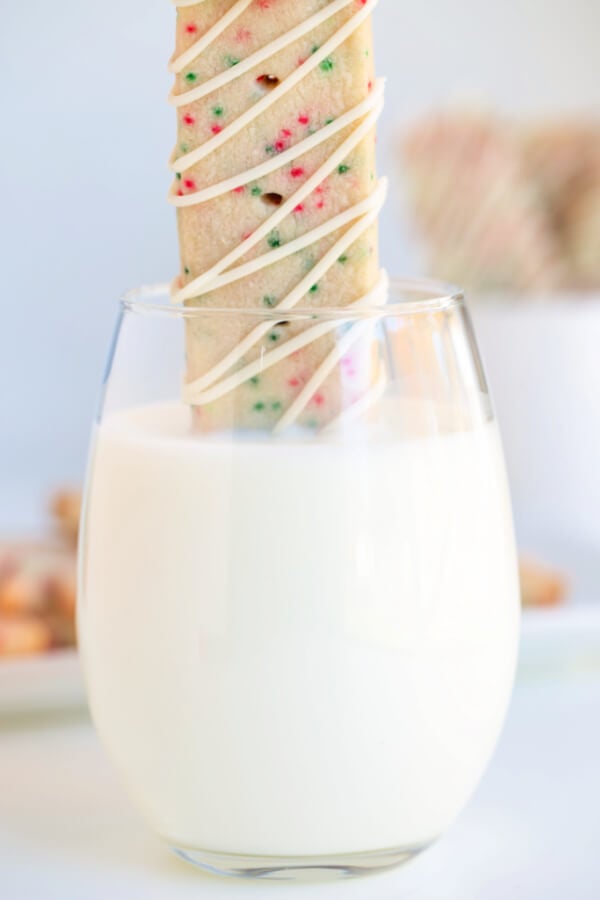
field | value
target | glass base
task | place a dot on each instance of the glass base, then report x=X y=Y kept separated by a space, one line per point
x=299 y=868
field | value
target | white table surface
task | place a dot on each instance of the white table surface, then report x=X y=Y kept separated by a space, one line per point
x=67 y=829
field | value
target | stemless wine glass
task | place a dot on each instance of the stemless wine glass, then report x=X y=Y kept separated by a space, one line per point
x=299 y=633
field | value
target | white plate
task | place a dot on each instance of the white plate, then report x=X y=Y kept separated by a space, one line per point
x=50 y=682
x=558 y=642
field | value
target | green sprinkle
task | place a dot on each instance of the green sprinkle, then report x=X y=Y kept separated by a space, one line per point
x=274 y=240
x=255 y=380
x=256 y=191
x=312 y=423
x=218 y=110
x=276 y=406
x=274 y=337
x=314 y=289
x=343 y=169
x=343 y=259
x=191 y=76
x=329 y=120
x=186 y=270
x=327 y=64
x=184 y=148
x=231 y=61
x=269 y=301
x=270 y=149
x=314 y=48
x=258 y=407
x=178 y=176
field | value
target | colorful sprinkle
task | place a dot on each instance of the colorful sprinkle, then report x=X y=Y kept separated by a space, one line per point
x=297 y=172
x=231 y=61
x=255 y=380
x=256 y=191
x=191 y=28
x=218 y=110
x=268 y=81
x=274 y=337
x=303 y=119
x=189 y=119
x=343 y=169
x=258 y=407
x=190 y=184
x=314 y=289
x=191 y=76
x=242 y=35
x=274 y=239
x=343 y=259
x=327 y=64
x=269 y=301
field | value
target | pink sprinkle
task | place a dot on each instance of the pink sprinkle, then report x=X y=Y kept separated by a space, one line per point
x=279 y=146
x=242 y=35
x=247 y=235
x=190 y=184
x=189 y=119
x=239 y=190
x=303 y=119
x=191 y=28
x=318 y=399
x=297 y=172
x=216 y=129
x=299 y=208
x=294 y=382
x=286 y=132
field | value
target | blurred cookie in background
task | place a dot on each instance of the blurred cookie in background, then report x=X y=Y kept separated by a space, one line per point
x=37 y=597
x=505 y=206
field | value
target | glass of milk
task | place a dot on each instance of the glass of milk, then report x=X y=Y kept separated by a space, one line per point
x=299 y=641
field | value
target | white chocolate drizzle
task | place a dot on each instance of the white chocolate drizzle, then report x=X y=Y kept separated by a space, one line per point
x=216 y=382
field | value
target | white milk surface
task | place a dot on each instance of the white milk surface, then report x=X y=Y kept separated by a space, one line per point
x=298 y=648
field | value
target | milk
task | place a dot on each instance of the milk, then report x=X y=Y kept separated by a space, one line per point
x=300 y=646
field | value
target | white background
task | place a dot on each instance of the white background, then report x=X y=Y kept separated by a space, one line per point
x=86 y=132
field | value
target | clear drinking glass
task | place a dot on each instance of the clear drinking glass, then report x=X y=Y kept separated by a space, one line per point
x=299 y=630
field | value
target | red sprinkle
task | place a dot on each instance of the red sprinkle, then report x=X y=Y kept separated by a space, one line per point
x=239 y=190
x=294 y=382
x=297 y=172
x=299 y=208
x=303 y=119
x=191 y=28
x=189 y=119
x=318 y=399
x=190 y=184
x=216 y=129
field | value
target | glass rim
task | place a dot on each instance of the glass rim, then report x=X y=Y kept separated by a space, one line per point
x=422 y=296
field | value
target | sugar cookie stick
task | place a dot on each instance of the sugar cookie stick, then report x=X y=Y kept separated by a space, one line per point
x=277 y=198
